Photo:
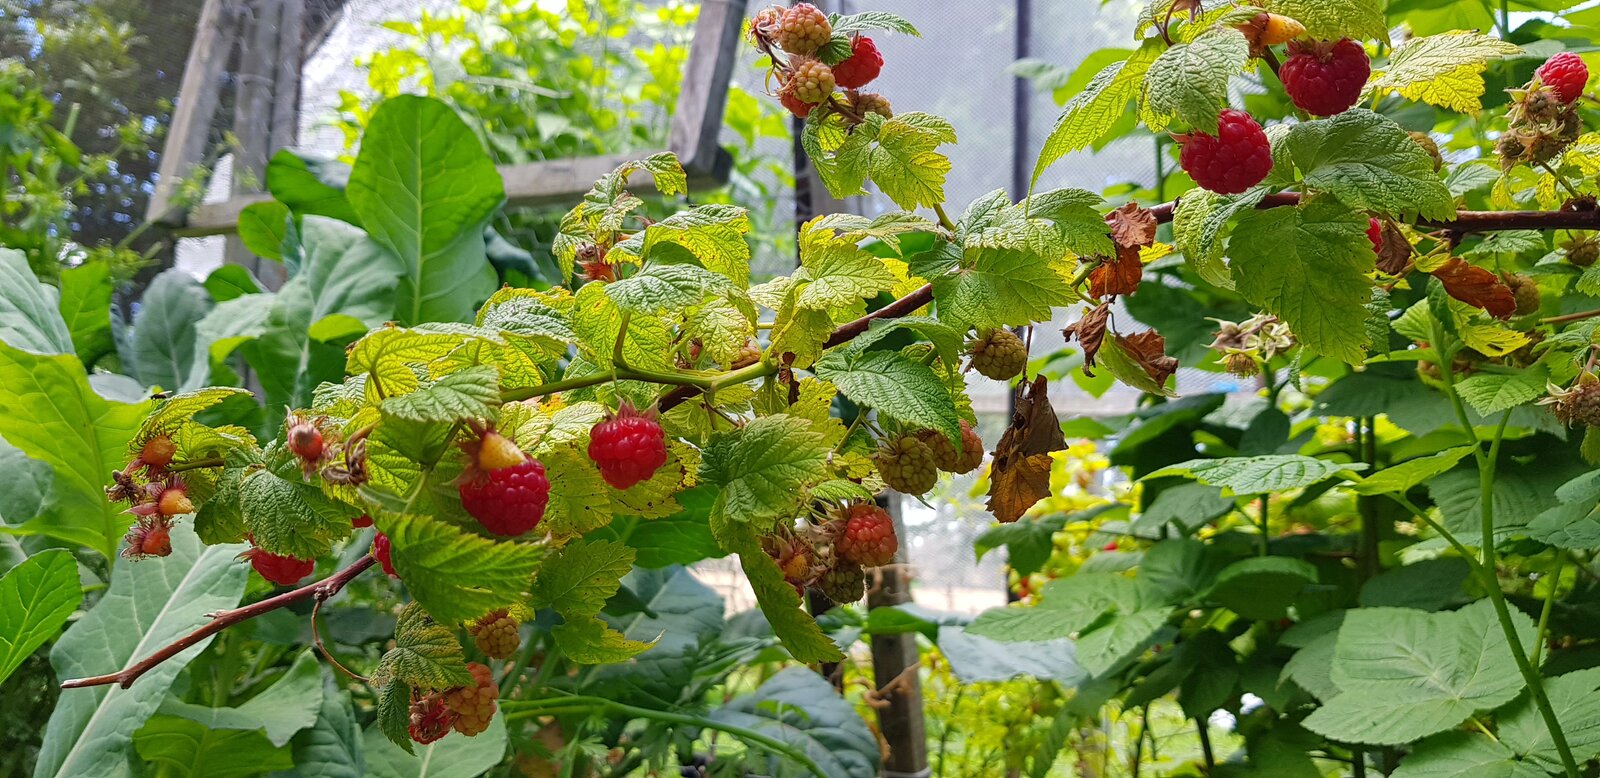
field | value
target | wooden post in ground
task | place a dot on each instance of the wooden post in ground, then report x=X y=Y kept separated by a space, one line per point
x=895 y=662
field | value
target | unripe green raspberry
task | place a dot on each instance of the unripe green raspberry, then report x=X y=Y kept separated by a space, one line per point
x=811 y=82
x=844 y=583
x=998 y=354
x=872 y=102
x=907 y=465
x=804 y=29
x=1526 y=290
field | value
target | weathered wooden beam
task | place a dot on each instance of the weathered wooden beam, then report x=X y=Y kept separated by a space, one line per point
x=895 y=663
x=196 y=107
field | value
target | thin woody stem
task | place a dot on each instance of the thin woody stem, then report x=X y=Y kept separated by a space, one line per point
x=220 y=621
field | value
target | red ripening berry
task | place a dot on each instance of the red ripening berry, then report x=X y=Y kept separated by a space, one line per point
x=431 y=719
x=474 y=705
x=1375 y=234
x=1566 y=74
x=282 y=570
x=628 y=448
x=174 y=501
x=861 y=67
x=1325 y=78
x=868 y=538
x=149 y=536
x=158 y=452
x=361 y=522
x=1235 y=159
x=382 y=552
x=504 y=489
x=795 y=105
x=305 y=441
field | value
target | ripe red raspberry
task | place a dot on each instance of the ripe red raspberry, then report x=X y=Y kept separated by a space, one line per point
x=383 y=552
x=473 y=705
x=281 y=570
x=811 y=81
x=1566 y=74
x=844 y=583
x=804 y=29
x=795 y=105
x=1375 y=234
x=868 y=538
x=945 y=454
x=1235 y=159
x=998 y=354
x=158 y=452
x=907 y=465
x=503 y=488
x=1325 y=78
x=861 y=67
x=174 y=501
x=361 y=522
x=431 y=719
x=304 y=440
x=496 y=634
x=628 y=448
x=149 y=536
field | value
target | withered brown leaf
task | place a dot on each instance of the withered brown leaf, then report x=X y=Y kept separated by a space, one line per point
x=1477 y=287
x=1020 y=474
x=1090 y=330
x=1132 y=225
x=1149 y=350
x=1394 y=251
x=1117 y=276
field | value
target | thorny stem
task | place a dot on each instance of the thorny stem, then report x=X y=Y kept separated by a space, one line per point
x=1486 y=546
x=221 y=620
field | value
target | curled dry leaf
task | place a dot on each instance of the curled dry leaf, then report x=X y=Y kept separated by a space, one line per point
x=1477 y=287
x=1120 y=275
x=1090 y=330
x=1149 y=350
x=1132 y=225
x=1020 y=475
x=1394 y=250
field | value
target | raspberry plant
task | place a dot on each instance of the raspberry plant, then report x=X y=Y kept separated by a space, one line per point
x=526 y=458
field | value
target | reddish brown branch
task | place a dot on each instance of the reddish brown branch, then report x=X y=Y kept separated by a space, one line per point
x=1465 y=221
x=322 y=590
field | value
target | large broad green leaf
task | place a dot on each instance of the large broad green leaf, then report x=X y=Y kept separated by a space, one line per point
x=895 y=385
x=164 y=331
x=800 y=708
x=1576 y=700
x=1464 y=755
x=1264 y=587
x=28 y=316
x=454 y=756
x=1309 y=265
x=1001 y=288
x=456 y=575
x=182 y=747
x=347 y=284
x=49 y=411
x=263 y=227
x=1402 y=477
x=1188 y=83
x=1444 y=70
x=1369 y=162
x=1256 y=475
x=423 y=187
x=310 y=185
x=151 y=603
x=29 y=491
x=1427 y=585
x=288 y=706
x=684 y=618
x=680 y=539
x=36 y=597
x=976 y=659
x=86 y=309
x=1405 y=674
x=332 y=747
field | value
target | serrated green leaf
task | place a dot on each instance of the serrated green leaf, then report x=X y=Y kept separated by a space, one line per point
x=578 y=579
x=1335 y=19
x=1445 y=666
x=1398 y=479
x=1200 y=224
x=457 y=576
x=36 y=597
x=1464 y=755
x=473 y=393
x=1256 y=475
x=1575 y=697
x=1188 y=83
x=580 y=500
x=897 y=386
x=1001 y=288
x=874 y=20
x=291 y=519
x=1369 y=163
x=394 y=713
x=666 y=287
x=905 y=163
x=589 y=641
x=764 y=468
x=1309 y=265
x=1093 y=111
x=426 y=654
x=1491 y=393
x=779 y=601
x=836 y=274
x=1444 y=70
x=1262 y=588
